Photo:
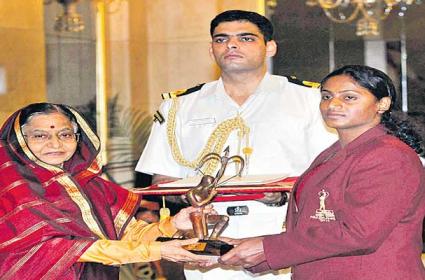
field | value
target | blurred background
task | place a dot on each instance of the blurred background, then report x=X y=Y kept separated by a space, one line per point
x=112 y=59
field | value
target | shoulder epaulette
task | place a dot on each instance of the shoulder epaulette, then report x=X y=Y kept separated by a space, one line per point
x=294 y=80
x=158 y=117
x=181 y=92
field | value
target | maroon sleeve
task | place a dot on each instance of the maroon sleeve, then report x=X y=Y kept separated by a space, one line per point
x=261 y=267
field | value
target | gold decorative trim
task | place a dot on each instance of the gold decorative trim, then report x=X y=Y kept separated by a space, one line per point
x=172 y=94
x=87 y=130
x=18 y=132
x=12 y=186
x=311 y=84
x=94 y=168
x=80 y=200
x=214 y=144
x=83 y=204
x=20 y=208
x=125 y=212
x=53 y=179
x=7 y=164
x=75 y=249
x=96 y=165
x=31 y=230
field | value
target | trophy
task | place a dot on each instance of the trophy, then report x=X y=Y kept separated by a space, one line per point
x=206 y=227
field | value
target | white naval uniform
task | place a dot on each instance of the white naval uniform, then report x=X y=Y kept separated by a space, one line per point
x=286 y=134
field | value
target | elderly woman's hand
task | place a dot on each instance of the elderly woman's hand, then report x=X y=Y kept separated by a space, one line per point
x=182 y=219
x=174 y=251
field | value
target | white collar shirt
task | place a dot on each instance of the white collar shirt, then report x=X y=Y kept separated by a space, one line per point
x=286 y=129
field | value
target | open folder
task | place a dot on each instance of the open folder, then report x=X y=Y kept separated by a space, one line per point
x=249 y=184
x=247 y=180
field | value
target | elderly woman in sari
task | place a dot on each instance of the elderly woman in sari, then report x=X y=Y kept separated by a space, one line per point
x=58 y=218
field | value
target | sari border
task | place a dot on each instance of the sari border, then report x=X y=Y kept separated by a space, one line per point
x=126 y=211
x=31 y=230
x=76 y=249
x=12 y=271
x=12 y=186
x=7 y=164
x=82 y=203
x=90 y=134
x=21 y=207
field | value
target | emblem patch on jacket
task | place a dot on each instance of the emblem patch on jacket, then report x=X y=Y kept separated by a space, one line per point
x=322 y=214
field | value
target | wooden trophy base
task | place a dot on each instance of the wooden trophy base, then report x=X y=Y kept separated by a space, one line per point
x=204 y=247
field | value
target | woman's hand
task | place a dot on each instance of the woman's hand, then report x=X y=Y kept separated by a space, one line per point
x=248 y=253
x=232 y=241
x=182 y=220
x=173 y=251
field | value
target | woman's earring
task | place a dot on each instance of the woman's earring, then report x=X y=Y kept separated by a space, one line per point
x=384 y=105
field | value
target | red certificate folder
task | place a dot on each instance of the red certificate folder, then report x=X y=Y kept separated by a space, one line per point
x=230 y=192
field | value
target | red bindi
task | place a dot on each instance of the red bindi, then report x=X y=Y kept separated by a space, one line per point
x=52 y=126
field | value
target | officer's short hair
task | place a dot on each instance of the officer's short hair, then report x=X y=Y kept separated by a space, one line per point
x=265 y=26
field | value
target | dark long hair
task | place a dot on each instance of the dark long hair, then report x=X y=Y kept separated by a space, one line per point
x=380 y=85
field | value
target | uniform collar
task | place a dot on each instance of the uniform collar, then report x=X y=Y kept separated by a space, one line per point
x=266 y=85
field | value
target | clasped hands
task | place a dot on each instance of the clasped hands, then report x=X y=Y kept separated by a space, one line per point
x=248 y=252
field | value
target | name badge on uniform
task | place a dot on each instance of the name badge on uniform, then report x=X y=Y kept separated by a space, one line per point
x=237 y=210
x=322 y=214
